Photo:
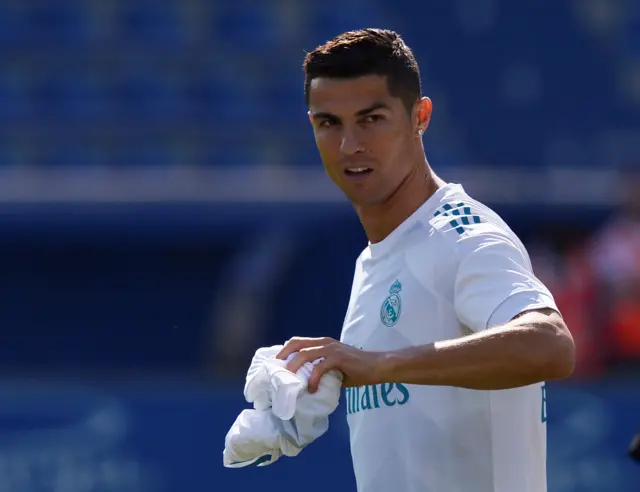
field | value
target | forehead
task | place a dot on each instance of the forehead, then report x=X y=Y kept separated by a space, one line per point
x=339 y=96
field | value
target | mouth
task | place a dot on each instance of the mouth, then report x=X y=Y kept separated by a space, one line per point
x=358 y=171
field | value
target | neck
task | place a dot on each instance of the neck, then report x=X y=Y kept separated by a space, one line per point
x=382 y=219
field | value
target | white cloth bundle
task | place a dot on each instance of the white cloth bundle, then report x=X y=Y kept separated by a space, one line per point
x=285 y=417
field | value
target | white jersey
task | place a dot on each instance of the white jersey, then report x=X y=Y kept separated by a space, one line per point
x=452 y=268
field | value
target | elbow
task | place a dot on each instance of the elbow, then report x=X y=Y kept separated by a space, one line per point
x=563 y=362
x=559 y=350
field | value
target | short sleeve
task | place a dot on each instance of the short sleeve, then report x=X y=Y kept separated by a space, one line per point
x=495 y=282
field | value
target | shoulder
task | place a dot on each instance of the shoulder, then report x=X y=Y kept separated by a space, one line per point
x=461 y=233
x=464 y=226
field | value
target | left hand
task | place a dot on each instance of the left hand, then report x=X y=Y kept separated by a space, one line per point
x=358 y=367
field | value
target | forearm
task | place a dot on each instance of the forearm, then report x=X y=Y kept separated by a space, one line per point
x=510 y=356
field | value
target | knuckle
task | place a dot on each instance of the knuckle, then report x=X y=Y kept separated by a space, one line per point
x=337 y=348
x=306 y=354
x=293 y=342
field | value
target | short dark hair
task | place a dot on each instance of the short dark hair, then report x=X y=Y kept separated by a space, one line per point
x=367 y=52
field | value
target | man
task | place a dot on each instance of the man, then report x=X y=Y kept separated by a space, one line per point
x=448 y=336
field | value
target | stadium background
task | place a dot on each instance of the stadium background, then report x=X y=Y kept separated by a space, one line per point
x=163 y=213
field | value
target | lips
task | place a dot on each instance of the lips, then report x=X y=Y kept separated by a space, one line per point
x=358 y=174
x=357 y=170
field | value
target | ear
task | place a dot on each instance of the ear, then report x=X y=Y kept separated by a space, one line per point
x=310 y=117
x=423 y=114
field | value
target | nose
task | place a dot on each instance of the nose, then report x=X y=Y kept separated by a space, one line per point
x=351 y=142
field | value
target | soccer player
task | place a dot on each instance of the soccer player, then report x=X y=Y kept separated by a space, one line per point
x=448 y=336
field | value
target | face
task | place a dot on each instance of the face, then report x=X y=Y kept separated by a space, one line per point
x=365 y=136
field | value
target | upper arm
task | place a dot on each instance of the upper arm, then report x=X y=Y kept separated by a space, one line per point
x=494 y=281
x=545 y=319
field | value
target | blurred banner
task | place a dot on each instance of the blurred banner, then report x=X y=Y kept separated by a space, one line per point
x=168 y=437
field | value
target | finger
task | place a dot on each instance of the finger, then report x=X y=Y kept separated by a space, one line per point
x=297 y=343
x=318 y=371
x=306 y=355
x=288 y=348
x=292 y=345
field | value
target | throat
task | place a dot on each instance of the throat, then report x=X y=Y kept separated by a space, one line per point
x=382 y=219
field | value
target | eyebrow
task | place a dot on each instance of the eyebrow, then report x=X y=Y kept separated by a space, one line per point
x=362 y=112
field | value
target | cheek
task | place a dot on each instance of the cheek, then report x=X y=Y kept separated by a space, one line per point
x=322 y=141
x=388 y=145
x=329 y=150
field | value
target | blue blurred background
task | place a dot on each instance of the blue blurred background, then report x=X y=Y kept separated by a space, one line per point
x=164 y=213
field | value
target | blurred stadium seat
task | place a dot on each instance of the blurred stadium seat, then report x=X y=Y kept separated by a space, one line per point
x=186 y=62
x=164 y=212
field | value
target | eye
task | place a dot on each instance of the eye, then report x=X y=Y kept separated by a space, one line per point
x=372 y=118
x=327 y=123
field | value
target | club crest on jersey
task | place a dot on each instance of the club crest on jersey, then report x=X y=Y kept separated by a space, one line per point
x=392 y=305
